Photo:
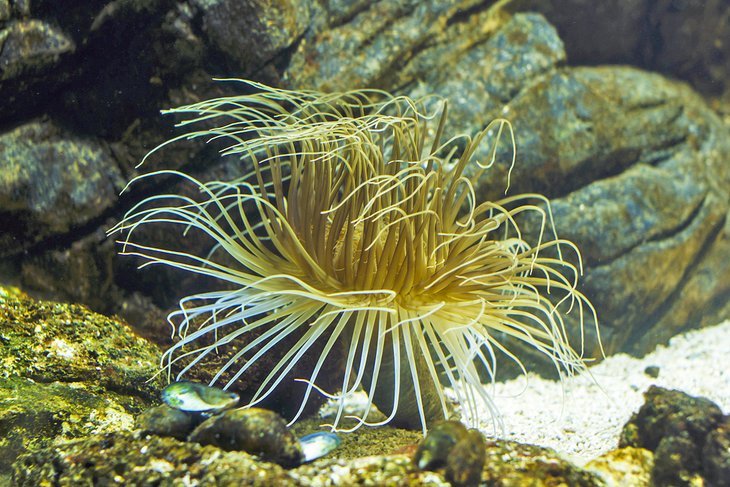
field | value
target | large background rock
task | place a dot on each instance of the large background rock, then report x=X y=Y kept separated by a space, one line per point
x=689 y=39
x=637 y=165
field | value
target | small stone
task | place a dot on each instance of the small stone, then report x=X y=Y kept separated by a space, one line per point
x=652 y=371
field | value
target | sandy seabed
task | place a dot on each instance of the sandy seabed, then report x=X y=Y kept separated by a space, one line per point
x=582 y=417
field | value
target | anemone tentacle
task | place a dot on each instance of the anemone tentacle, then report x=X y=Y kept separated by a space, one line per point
x=357 y=224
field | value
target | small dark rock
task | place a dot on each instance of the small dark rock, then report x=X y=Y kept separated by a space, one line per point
x=676 y=427
x=667 y=413
x=256 y=431
x=652 y=371
x=163 y=420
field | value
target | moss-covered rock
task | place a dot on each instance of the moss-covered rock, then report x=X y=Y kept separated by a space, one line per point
x=624 y=467
x=66 y=373
x=123 y=458
x=134 y=459
x=57 y=342
x=688 y=436
x=36 y=415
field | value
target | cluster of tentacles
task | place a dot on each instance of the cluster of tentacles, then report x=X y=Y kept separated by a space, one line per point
x=358 y=227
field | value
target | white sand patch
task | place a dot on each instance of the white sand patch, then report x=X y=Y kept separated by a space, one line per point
x=582 y=418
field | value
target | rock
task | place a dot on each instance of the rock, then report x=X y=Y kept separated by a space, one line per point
x=135 y=459
x=48 y=342
x=252 y=33
x=677 y=428
x=4 y=10
x=66 y=373
x=30 y=50
x=666 y=412
x=610 y=32
x=51 y=182
x=461 y=453
x=123 y=458
x=716 y=454
x=438 y=445
x=624 y=467
x=82 y=272
x=31 y=47
x=373 y=47
x=36 y=415
x=257 y=431
x=687 y=39
x=464 y=467
x=672 y=463
x=509 y=463
x=634 y=166
x=652 y=371
x=479 y=81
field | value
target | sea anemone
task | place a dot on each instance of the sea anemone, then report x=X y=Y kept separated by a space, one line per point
x=357 y=229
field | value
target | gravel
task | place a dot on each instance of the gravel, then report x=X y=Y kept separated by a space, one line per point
x=582 y=417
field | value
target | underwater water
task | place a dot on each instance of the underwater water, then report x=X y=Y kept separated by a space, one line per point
x=509 y=213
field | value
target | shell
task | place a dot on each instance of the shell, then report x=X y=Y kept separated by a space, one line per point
x=198 y=398
x=163 y=420
x=436 y=447
x=256 y=431
x=466 y=462
x=459 y=451
x=317 y=445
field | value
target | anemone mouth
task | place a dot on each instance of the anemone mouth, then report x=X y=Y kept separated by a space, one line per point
x=358 y=226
